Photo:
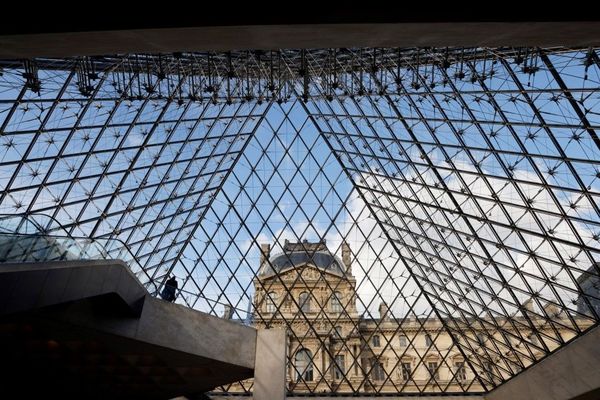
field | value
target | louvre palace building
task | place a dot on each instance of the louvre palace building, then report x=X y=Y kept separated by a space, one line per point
x=311 y=293
x=349 y=203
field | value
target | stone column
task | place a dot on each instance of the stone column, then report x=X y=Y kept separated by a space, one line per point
x=269 y=366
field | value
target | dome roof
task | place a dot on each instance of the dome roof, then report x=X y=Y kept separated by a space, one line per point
x=297 y=254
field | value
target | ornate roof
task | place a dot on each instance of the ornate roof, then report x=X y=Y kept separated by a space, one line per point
x=304 y=253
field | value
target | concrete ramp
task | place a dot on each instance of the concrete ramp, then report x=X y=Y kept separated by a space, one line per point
x=88 y=329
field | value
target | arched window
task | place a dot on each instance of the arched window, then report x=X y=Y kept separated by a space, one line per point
x=304 y=302
x=377 y=371
x=271 y=302
x=339 y=366
x=336 y=303
x=304 y=366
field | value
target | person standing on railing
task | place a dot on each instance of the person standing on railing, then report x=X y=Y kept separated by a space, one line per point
x=169 y=290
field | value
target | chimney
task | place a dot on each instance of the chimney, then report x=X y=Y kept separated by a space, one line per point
x=384 y=311
x=346 y=256
x=552 y=310
x=227 y=311
x=527 y=309
x=528 y=305
x=265 y=251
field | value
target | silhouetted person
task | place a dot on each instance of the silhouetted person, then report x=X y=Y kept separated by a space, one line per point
x=168 y=292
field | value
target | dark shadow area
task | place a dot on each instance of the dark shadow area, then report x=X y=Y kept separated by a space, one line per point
x=43 y=357
x=88 y=329
x=591 y=395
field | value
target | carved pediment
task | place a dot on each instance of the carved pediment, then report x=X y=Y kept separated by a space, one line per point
x=308 y=271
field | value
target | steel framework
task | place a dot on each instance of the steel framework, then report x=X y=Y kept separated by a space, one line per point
x=465 y=181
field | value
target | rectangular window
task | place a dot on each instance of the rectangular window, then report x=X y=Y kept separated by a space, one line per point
x=432 y=366
x=403 y=341
x=460 y=372
x=428 y=340
x=340 y=367
x=376 y=342
x=336 y=303
x=489 y=371
x=406 y=371
x=354 y=355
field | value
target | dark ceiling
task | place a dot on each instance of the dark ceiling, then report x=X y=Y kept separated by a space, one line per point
x=48 y=19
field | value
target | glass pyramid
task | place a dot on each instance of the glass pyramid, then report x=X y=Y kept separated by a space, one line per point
x=419 y=220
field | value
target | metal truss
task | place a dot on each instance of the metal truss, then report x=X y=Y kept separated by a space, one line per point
x=463 y=181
